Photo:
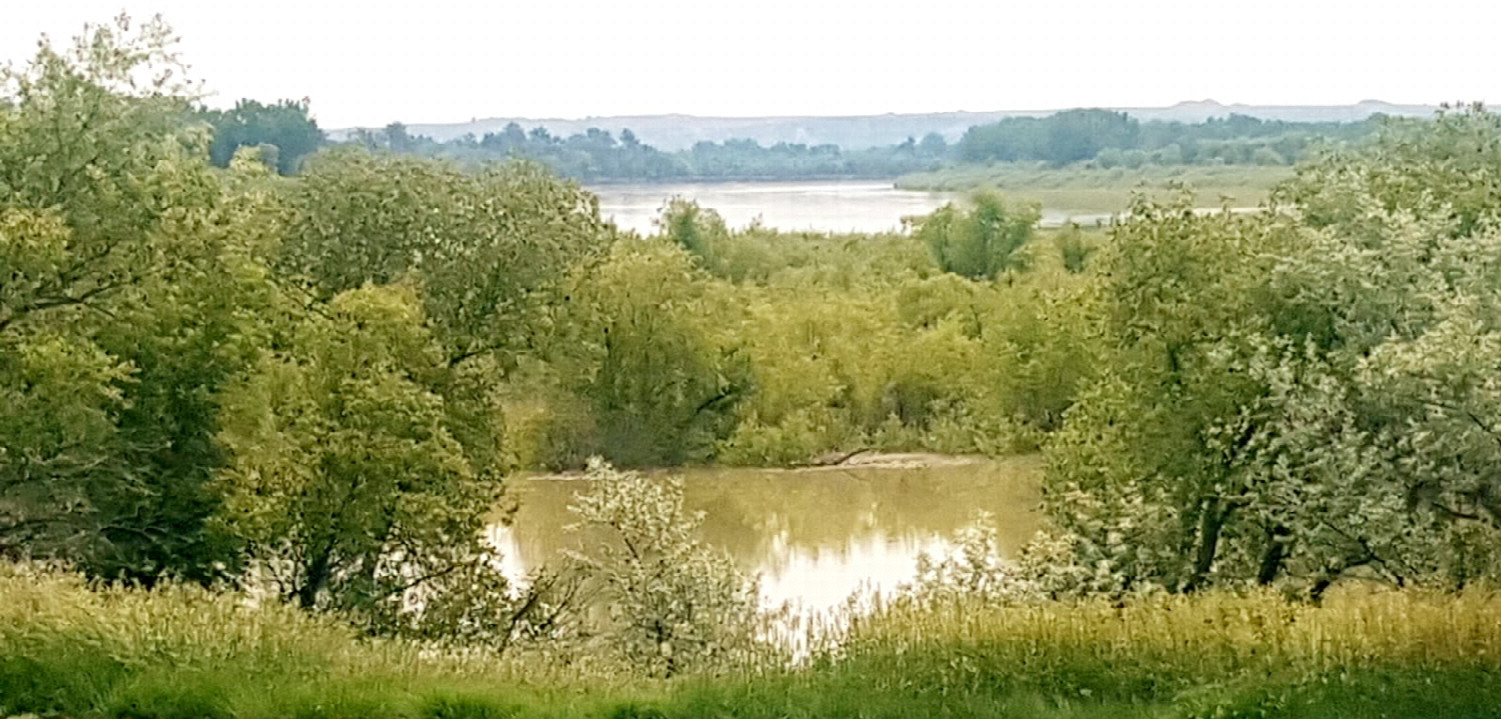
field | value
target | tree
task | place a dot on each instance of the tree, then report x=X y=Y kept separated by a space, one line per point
x=662 y=378
x=933 y=145
x=1075 y=135
x=122 y=252
x=699 y=231
x=979 y=243
x=347 y=483
x=488 y=248
x=1302 y=394
x=285 y=126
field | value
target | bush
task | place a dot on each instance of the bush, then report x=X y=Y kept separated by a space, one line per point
x=676 y=605
x=979 y=243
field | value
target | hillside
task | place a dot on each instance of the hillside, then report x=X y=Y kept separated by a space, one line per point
x=676 y=132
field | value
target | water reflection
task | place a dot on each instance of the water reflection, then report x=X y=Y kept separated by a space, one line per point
x=834 y=206
x=815 y=536
x=837 y=206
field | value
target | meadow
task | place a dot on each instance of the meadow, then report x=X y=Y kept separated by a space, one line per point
x=1088 y=189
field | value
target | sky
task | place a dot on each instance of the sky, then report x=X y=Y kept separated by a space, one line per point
x=373 y=62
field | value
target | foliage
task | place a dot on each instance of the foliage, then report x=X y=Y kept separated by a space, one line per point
x=662 y=378
x=982 y=242
x=345 y=482
x=285 y=132
x=1112 y=139
x=488 y=248
x=134 y=280
x=596 y=154
x=676 y=605
x=1302 y=395
x=701 y=232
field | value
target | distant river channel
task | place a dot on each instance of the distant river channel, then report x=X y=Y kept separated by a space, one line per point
x=832 y=206
x=814 y=536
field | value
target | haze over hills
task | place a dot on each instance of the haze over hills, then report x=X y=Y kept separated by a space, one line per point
x=676 y=132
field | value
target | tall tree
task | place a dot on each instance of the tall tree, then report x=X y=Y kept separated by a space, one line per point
x=286 y=126
x=131 y=275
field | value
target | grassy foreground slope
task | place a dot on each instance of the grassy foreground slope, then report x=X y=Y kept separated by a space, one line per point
x=69 y=650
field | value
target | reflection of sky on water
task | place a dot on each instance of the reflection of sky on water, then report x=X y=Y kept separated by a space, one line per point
x=814 y=537
x=821 y=578
x=853 y=206
x=842 y=206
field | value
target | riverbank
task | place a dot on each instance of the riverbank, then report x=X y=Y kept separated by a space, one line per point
x=1097 y=190
x=175 y=653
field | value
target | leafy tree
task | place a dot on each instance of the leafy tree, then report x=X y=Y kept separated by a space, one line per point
x=285 y=126
x=487 y=248
x=1075 y=135
x=132 y=273
x=662 y=378
x=979 y=243
x=701 y=232
x=347 y=483
x=1299 y=395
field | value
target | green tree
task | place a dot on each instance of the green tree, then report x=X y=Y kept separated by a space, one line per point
x=660 y=372
x=132 y=276
x=676 y=605
x=286 y=126
x=699 y=231
x=346 y=482
x=981 y=242
x=488 y=248
x=1298 y=395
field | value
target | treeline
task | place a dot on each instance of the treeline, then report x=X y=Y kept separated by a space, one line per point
x=597 y=155
x=1115 y=139
x=287 y=133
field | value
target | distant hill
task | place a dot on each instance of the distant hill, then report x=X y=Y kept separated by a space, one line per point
x=676 y=132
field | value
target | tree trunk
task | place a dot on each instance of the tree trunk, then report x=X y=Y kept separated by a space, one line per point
x=1211 y=523
x=1274 y=556
x=317 y=576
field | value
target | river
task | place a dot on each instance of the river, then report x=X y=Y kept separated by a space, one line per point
x=815 y=536
x=832 y=206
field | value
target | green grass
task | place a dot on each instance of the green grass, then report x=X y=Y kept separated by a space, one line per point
x=175 y=653
x=1081 y=189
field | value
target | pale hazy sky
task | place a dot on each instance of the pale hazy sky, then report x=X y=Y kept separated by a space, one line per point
x=371 y=62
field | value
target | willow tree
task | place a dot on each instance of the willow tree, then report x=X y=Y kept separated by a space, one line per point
x=982 y=241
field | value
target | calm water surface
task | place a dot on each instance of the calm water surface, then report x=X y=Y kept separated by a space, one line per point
x=814 y=536
x=835 y=206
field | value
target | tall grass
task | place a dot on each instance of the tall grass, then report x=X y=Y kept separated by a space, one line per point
x=71 y=650
x=177 y=651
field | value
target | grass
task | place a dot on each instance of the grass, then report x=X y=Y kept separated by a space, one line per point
x=1081 y=189
x=69 y=650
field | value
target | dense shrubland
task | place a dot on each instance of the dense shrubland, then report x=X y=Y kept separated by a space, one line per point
x=308 y=391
